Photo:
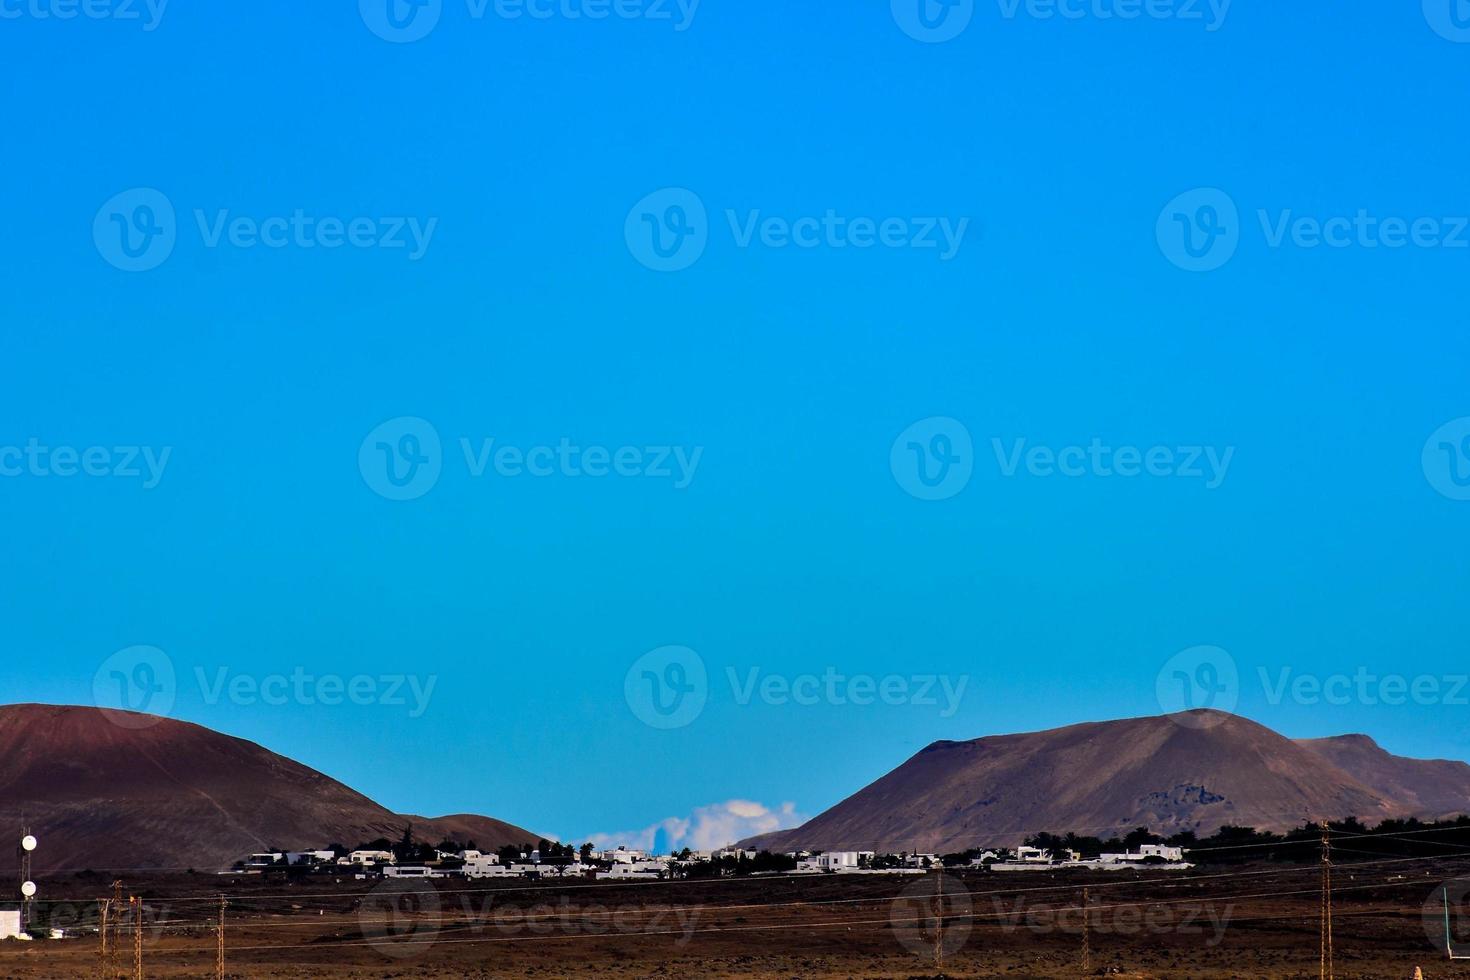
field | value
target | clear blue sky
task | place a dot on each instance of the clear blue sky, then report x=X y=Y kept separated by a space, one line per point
x=528 y=319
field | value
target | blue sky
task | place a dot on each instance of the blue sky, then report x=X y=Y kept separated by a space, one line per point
x=521 y=150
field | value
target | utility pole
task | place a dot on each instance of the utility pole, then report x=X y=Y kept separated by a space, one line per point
x=104 y=905
x=114 y=946
x=27 y=888
x=219 y=962
x=939 y=920
x=137 y=904
x=1326 y=967
x=1086 y=935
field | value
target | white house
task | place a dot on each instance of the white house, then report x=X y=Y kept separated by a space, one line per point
x=637 y=869
x=10 y=925
x=413 y=871
x=368 y=857
x=486 y=867
x=623 y=855
x=1160 y=851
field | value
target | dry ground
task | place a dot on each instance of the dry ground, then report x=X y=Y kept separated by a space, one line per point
x=1254 y=921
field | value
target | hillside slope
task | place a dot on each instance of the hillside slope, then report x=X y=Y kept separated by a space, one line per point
x=100 y=791
x=1166 y=773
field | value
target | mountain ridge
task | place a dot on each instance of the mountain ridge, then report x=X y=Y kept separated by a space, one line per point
x=104 y=788
x=1195 y=771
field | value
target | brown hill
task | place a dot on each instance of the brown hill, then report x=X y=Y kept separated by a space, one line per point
x=1194 y=771
x=113 y=790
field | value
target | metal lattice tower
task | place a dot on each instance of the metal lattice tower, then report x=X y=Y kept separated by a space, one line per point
x=137 y=904
x=1326 y=966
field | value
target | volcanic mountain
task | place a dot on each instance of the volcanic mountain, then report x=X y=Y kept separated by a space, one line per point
x=108 y=789
x=1196 y=771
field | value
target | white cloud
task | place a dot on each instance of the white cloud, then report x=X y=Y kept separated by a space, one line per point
x=708 y=827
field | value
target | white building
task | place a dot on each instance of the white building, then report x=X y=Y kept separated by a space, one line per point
x=1160 y=851
x=486 y=866
x=413 y=871
x=637 y=869
x=623 y=855
x=367 y=857
x=10 y=925
x=833 y=861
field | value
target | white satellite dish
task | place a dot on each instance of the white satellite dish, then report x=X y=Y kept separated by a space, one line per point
x=28 y=889
x=28 y=842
